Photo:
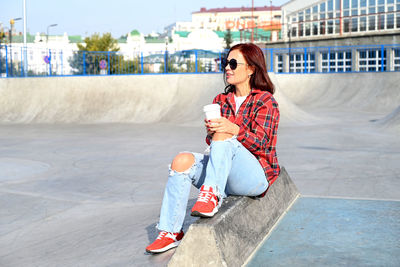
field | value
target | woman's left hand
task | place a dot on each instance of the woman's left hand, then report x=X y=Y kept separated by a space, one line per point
x=223 y=125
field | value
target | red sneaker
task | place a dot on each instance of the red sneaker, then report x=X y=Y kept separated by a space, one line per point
x=165 y=241
x=206 y=204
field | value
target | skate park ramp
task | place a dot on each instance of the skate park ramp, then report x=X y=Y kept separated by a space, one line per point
x=84 y=162
x=372 y=92
x=124 y=99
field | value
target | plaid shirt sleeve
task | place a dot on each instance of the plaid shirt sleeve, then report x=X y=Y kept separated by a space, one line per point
x=257 y=129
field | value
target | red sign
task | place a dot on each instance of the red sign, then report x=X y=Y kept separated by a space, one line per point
x=250 y=24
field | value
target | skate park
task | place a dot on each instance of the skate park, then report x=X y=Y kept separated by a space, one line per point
x=84 y=162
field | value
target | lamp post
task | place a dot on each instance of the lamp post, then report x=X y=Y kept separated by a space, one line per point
x=270 y=4
x=47 y=33
x=166 y=55
x=25 y=47
x=270 y=20
x=252 y=21
x=47 y=45
x=290 y=42
x=12 y=22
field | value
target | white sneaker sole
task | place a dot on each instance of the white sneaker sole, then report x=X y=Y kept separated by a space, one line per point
x=172 y=245
x=204 y=214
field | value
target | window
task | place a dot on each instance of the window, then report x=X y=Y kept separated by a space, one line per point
x=372 y=23
x=310 y=62
x=308 y=29
x=381 y=21
x=363 y=3
x=301 y=31
x=315 y=13
x=280 y=63
x=337 y=26
x=322 y=10
x=308 y=14
x=346 y=25
x=354 y=24
x=330 y=9
x=336 y=61
x=381 y=6
x=398 y=19
x=371 y=60
x=322 y=27
x=294 y=31
x=330 y=26
x=301 y=16
x=296 y=63
x=390 y=21
x=371 y=7
x=315 y=28
x=330 y=5
x=299 y=65
x=396 y=59
x=363 y=24
x=337 y=6
x=346 y=4
x=346 y=8
x=363 y=7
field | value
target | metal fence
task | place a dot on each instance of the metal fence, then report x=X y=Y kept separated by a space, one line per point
x=62 y=62
x=336 y=59
x=19 y=62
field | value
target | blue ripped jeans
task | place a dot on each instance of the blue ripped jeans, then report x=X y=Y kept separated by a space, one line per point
x=229 y=168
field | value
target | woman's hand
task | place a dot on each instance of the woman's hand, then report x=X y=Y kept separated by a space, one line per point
x=222 y=125
x=206 y=124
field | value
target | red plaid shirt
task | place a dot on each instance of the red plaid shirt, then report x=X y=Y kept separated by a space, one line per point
x=258 y=119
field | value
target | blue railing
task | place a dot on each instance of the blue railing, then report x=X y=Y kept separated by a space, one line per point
x=329 y=59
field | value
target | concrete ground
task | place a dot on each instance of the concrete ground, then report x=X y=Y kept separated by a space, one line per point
x=334 y=232
x=75 y=194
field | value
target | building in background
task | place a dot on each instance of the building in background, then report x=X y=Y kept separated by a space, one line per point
x=258 y=24
x=311 y=19
x=317 y=35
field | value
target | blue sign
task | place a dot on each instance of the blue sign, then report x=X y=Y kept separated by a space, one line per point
x=46 y=59
x=103 y=64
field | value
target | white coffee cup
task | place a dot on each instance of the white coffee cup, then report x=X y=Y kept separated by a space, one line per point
x=212 y=111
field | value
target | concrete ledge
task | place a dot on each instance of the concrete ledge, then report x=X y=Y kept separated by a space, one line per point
x=230 y=237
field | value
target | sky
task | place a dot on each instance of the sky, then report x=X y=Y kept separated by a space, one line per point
x=85 y=17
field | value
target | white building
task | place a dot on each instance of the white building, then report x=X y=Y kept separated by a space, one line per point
x=305 y=19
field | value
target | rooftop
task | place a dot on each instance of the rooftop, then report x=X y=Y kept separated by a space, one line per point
x=236 y=9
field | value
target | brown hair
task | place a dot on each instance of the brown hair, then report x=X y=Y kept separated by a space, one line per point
x=254 y=56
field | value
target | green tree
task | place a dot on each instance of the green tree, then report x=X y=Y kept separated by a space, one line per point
x=99 y=43
x=92 y=52
x=228 y=39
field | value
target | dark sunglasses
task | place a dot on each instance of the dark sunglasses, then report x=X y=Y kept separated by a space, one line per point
x=232 y=63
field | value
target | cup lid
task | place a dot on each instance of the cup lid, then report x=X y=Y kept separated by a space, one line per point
x=211 y=107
